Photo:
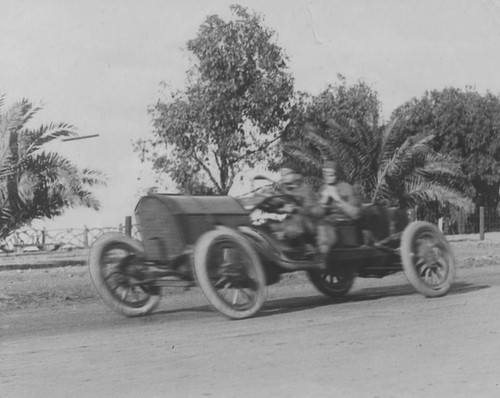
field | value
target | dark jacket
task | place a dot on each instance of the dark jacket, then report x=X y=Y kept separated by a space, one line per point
x=307 y=213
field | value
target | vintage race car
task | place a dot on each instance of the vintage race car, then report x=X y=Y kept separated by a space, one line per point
x=214 y=241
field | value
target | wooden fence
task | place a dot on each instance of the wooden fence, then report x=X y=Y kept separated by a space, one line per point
x=481 y=221
x=33 y=240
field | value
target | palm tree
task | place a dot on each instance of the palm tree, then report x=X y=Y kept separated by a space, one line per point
x=34 y=182
x=384 y=167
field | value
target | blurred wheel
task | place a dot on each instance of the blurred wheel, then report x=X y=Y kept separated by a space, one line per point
x=427 y=259
x=230 y=273
x=114 y=260
x=332 y=282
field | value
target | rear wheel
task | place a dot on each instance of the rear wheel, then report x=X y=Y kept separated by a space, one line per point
x=114 y=265
x=230 y=273
x=427 y=259
x=334 y=282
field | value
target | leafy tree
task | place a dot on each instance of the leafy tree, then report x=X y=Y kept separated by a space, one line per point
x=36 y=183
x=343 y=124
x=232 y=111
x=345 y=104
x=467 y=127
x=339 y=106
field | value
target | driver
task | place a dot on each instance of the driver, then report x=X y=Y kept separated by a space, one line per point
x=305 y=213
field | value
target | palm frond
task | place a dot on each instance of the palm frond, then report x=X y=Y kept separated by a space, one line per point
x=388 y=144
x=421 y=194
x=33 y=140
x=410 y=155
x=93 y=178
x=28 y=110
x=303 y=156
x=35 y=182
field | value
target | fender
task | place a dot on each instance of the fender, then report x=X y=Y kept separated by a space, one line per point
x=260 y=239
x=271 y=250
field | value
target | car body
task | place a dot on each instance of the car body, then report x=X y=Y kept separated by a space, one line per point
x=215 y=242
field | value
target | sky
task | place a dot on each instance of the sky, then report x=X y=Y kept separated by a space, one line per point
x=98 y=65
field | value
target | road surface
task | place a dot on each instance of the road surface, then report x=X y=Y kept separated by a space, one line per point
x=383 y=340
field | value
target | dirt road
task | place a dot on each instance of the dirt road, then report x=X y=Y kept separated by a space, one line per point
x=57 y=339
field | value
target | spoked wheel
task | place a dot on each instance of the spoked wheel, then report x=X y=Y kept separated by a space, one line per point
x=230 y=273
x=115 y=268
x=332 y=282
x=427 y=259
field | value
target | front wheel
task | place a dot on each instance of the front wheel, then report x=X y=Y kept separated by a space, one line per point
x=427 y=258
x=115 y=265
x=230 y=273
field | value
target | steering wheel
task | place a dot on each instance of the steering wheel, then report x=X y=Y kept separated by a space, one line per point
x=271 y=203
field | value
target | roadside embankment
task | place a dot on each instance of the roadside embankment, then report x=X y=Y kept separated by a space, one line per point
x=47 y=259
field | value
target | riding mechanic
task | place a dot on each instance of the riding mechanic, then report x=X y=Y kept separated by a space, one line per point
x=339 y=202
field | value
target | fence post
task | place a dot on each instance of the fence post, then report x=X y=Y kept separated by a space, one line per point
x=16 y=243
x=128 y=226
x=481 y=222
x=461 y=223
x=44 y=233
x=85 y=236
